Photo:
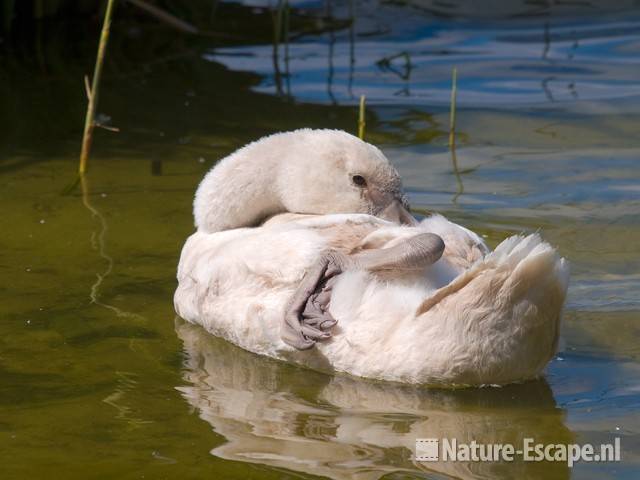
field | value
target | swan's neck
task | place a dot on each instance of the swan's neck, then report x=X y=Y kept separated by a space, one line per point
x=236 y=194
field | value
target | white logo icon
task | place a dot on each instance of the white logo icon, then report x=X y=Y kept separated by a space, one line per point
x=427 y=450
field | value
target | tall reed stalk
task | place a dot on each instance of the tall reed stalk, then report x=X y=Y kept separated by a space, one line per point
x=361 y=117
x=89 y=122
x=452 y=113
x=452 y=135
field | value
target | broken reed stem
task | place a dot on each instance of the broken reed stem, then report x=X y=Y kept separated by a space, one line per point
x=89 y=122
x=165 y=17
x=452 y=114
x=361 y=122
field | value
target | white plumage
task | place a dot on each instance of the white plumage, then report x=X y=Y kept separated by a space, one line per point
x=474 y=317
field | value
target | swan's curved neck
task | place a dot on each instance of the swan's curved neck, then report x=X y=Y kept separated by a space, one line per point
x=236 y=194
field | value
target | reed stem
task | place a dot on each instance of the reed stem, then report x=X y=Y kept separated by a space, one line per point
x=456 y=171
x=452 y=114
x=165 y=17
x=361 y=122
x=89 y=122
x=277 y=36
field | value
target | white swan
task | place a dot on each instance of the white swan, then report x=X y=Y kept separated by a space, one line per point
x=408 y=307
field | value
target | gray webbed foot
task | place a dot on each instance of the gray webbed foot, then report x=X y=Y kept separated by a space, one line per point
x=307 y=319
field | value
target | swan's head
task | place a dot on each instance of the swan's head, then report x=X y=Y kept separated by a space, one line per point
x=331 y=171
x=303 y=171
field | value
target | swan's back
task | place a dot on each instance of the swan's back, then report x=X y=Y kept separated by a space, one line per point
x=496 y=323
x=472 y=318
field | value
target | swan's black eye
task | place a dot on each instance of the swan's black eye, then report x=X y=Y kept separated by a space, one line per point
x=359 y=180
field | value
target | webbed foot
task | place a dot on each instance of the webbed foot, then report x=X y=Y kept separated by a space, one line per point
x=307 y=319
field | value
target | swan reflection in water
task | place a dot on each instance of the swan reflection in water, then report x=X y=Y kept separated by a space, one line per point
x=340 y=427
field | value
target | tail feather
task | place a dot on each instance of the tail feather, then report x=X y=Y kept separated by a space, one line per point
x=506 y=309
x=530 y=260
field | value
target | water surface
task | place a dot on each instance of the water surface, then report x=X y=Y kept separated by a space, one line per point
x=97 y=377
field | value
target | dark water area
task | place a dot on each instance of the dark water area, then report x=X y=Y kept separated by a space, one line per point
x=97 y=377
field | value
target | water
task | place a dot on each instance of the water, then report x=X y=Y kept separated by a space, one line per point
x=97 y=377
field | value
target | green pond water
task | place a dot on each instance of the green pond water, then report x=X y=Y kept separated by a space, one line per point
x=98 y=379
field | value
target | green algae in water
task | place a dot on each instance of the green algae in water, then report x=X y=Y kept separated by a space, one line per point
x=111 y=385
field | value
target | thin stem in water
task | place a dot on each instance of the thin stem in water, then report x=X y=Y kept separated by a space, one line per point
x=361 y=118
x=89 y=122
x=275 y=54
x=456 y=171
x=452 y=136
x=452 y=113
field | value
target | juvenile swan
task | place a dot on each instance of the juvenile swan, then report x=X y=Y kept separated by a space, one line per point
x=354 y=292
x=305 y=171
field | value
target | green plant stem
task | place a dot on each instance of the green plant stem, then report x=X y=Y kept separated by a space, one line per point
x=164 y=16
x=452 y=114
x=89 y=122
x=456 y=171
x=361 y=117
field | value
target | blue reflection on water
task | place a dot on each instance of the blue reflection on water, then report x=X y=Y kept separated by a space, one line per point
x=399 y=55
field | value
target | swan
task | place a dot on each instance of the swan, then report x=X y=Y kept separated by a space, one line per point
x=305 y=251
